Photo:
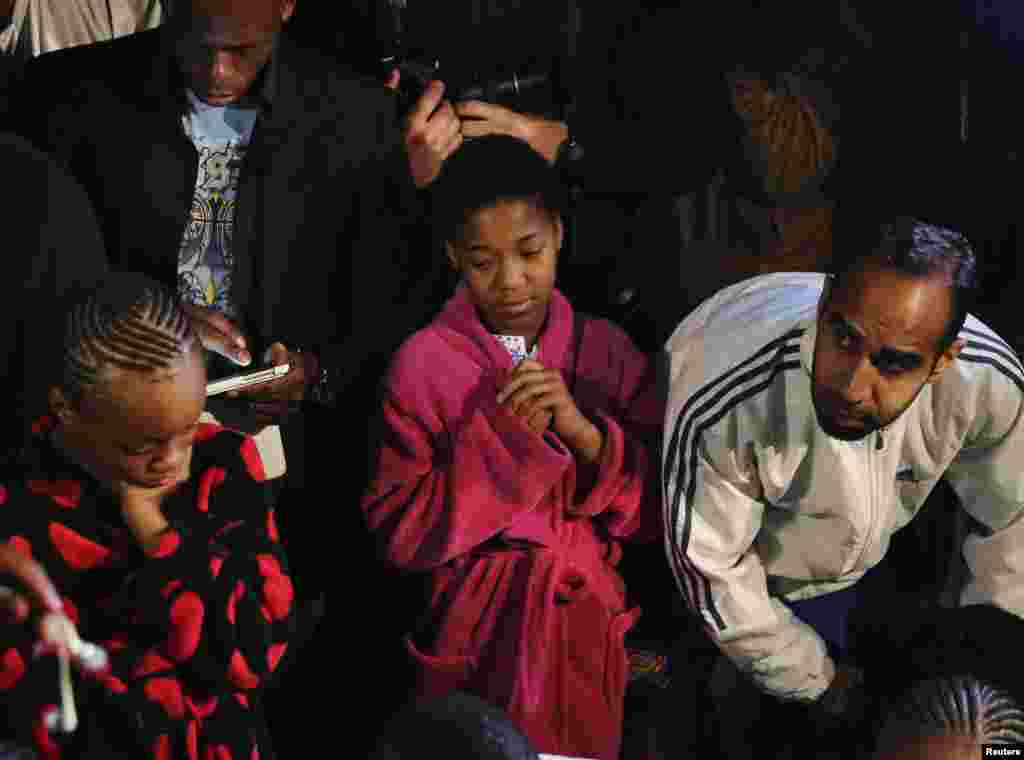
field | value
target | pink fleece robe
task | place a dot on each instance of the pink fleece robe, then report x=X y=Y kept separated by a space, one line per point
x=526 y=610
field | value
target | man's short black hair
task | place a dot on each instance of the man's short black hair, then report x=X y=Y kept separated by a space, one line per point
x=456 y=727
x=863 y=239
x=485 y=171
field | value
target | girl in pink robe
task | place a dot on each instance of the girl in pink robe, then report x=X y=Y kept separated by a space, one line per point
x=510 y=475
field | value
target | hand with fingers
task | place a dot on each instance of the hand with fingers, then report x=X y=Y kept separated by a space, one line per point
x=543 y=135
x=431 y=134
x=219 y=334
x=142 y=506
x=539 y=420
x=540 y=397
x=40 y=596
x=15 y=606
x=57 y=634
x=844 y=703
x=273 y=402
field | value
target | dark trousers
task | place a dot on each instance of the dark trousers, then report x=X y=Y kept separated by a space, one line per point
x=751 y=722
x=829 y=615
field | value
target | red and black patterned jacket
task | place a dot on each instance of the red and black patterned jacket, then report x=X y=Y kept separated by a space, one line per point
x=196 y=628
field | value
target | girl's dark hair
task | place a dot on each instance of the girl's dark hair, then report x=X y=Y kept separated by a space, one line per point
x=485 y=171
x=954 y=706
x=912 y=247
x=129 y=322
x=459 y=727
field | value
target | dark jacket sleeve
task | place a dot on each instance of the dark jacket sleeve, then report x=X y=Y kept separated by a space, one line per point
x=396 y=281
x=42 y=97
x=59 y=250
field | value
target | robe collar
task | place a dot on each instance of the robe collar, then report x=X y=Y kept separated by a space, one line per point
x=461 y=324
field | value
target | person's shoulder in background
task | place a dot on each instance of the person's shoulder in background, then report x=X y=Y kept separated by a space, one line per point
x=346 y=31
x=54 y=246
x=86 y=79
x=978 y=640
x=323 y=75
x=46 y=213
x=107 y=60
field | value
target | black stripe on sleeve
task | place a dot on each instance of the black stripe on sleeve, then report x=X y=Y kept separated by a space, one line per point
x=1014 y=376
x=728 y=383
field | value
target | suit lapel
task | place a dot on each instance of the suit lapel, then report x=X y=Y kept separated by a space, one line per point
x=261 y=265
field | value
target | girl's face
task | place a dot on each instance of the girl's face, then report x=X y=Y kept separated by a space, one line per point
x=138 y=427
x=507 y=255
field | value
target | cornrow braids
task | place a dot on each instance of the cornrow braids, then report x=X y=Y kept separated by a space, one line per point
x=955 y=706
x=130 y=322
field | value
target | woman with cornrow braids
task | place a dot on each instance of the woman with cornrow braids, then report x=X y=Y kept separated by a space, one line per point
x=158 y=533
x=950 y=718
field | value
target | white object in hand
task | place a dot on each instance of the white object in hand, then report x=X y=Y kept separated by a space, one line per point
x=90 y=656
x=516 y=346
x=68 y=713
x=244 y=381
x=57 y=629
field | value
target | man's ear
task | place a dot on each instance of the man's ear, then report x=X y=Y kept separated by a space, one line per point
x=946 y=360
x=559 y=233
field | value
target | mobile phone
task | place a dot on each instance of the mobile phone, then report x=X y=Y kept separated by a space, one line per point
x=244 y=381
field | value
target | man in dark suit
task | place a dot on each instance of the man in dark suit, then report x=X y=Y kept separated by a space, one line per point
x=270 y=186
x=319 y=191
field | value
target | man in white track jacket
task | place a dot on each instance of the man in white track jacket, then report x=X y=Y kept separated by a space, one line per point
x=809 y=416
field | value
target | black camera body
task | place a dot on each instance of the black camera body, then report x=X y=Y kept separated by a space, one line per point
x=526 y=90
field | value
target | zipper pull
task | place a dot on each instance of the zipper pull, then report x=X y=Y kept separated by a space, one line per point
x=880 y=443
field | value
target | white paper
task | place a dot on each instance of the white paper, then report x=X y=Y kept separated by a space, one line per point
x=271 y=448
